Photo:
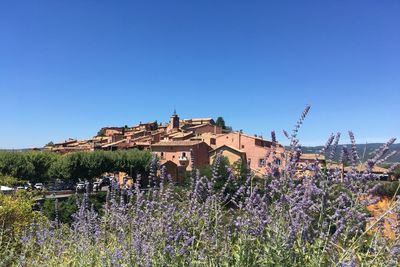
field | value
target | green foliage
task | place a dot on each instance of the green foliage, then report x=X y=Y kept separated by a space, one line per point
x=50 y=144
x=65 y=208
x=241 y=170
x=101 y=132
x=11 y=181
x=397 y=173
x=222 y=171
x=15 y=164
x=16 y=214
x=220 y=122
x=41 y=162
x=32 y=166
x=387 y=188
x=46 y=166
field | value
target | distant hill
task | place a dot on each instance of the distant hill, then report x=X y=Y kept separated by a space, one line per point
x=16 y=150
x=368 y=148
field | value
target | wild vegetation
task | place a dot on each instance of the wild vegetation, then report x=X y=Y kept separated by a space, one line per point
x=316 y=219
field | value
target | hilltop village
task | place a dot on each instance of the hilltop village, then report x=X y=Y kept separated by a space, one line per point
x=183 y=144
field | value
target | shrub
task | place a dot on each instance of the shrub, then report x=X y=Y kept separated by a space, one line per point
x=387 y=188
x=11 y=181
x=16 y=214
x=63 y=210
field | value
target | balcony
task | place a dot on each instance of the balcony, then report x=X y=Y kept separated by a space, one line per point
x=183 y=160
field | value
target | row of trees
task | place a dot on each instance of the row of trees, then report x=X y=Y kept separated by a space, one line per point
x=46 y=166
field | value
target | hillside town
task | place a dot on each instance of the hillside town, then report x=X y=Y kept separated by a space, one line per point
x=185 y=144
x=182 y=144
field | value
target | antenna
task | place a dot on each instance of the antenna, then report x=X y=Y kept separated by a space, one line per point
x=365 y=150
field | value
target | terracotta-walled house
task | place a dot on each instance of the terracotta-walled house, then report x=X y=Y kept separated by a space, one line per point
x=183 y=153
x=258 y=151
x=197 y=121
x=176 y=172
x=205 y=128
x=231 y=153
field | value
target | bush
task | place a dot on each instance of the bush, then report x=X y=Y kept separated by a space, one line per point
x=65 y=208
x=11 y=181
x=16 y=214
x=388 y=189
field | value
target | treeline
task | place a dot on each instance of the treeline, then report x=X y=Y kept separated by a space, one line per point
x=37 y=166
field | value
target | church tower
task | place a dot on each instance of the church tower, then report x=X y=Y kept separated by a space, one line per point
x=174 y=121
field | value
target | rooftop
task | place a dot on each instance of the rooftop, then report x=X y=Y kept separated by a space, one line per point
x=177 y=143
x=306 y=156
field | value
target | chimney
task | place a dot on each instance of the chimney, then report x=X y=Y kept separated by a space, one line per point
x=240 y=141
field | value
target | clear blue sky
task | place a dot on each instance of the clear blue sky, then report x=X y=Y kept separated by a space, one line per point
x=68 y=68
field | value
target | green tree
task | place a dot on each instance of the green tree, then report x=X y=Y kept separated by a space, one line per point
x=41 y=162
x=11 y=181
x=241 y=170
x=220 y=122
x=44 y=166
x=101 y=132
x=397 y=173
x=16 y=164
x=50 y=144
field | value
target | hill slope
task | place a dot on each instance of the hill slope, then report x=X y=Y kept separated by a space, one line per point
x=364 y=150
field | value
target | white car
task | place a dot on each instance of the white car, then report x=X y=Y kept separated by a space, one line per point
x=39 y=186
x=96 y=186
x=80 y=187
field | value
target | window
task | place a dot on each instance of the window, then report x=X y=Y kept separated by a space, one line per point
x=242 y=146
x=183 y=154
x=162 y=155
x=212 y=141
x=261 y=162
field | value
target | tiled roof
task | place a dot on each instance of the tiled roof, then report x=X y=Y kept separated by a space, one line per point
x=177 y=143
x=199 y=119
x=180 y=134
x=361 y=168
x=229 y=147
x=114 y=143
x=200 y=125
x=306 y=156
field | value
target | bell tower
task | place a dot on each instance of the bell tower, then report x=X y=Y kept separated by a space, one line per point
x=174 y=121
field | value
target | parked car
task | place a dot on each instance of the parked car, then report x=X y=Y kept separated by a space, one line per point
x=6 y=190
x=80 y=187
x=106 y=181
x=39 y=186
x=96 y=186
